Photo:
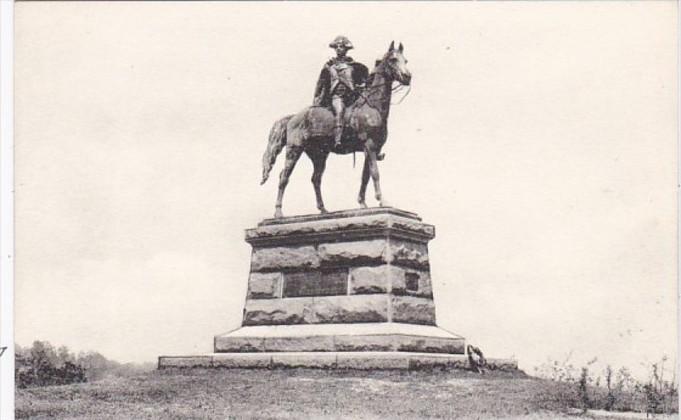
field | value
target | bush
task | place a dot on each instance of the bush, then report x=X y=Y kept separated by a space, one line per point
x=42 y=365
x=622 y=392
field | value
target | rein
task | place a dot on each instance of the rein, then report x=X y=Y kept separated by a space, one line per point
x=397 y=88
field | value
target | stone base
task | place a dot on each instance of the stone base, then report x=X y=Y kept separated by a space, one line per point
x=329 y=360
x=381 y=336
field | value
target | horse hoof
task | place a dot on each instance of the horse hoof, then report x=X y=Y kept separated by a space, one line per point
x=380 y=156
x=323 y=210
x=363 y=205
x=278 y=214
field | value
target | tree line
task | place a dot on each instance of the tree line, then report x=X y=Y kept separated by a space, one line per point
x=43 y=364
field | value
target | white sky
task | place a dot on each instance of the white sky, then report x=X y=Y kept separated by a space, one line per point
x=539 y=138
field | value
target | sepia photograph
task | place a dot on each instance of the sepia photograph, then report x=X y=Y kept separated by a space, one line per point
x=340 y=210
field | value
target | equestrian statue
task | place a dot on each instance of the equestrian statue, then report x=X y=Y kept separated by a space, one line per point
x=349 y=114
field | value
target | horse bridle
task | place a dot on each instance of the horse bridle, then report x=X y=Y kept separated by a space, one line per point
x=397 y=88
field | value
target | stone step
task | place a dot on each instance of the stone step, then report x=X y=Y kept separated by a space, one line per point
x=329 y=360
x=384 y=337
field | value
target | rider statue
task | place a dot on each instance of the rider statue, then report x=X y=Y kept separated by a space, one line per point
x=340 y=82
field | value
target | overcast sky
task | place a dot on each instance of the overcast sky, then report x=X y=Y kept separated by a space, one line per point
x=539 y=138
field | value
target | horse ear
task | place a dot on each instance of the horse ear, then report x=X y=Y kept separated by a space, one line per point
x=392 y=46
x=401 y=48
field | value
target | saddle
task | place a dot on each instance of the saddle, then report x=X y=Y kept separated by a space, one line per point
x=321 y=123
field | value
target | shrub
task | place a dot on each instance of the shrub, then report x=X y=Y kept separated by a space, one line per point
x=622 y=392
x=42 y=365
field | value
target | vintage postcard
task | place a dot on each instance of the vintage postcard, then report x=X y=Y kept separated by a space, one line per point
x=363 y=210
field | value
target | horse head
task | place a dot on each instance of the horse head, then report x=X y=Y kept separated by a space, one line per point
x=395 y=64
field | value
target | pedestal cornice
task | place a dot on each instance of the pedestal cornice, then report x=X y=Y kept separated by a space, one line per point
x=341 y=226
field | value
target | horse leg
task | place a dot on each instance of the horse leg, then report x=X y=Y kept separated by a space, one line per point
x=319 y=161
x=292 y=155
x=373 y=169
x=363 y=185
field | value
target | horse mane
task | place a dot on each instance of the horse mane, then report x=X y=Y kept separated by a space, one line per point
x=370 y=79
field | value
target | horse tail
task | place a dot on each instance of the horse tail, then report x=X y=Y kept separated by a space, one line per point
x=275 y=144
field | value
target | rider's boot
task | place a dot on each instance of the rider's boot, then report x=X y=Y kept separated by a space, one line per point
x=338 y=135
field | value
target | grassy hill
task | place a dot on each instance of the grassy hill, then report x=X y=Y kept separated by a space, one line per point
x=302 y=394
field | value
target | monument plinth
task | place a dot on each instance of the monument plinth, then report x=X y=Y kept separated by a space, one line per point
x=345 y=281
x=348 y=289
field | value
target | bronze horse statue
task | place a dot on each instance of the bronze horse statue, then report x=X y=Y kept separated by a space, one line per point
x=312 y=131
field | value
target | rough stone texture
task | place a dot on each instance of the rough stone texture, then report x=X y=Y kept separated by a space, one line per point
x=365 y=280
x=279 y=311
x=330 y=360
x=239 y=344
x=307 y=330
x=307 y=360
x=242 y=360
x=382 y=336
x=413 y=310
x=413 y=225
x=318 y=226
x=409 y=254
x=264 y=285
x=391 y=342
x=350 y=225
x=365 y=343
x=431 y=345
x=289 y=344
x=371 y=360
x=425 y=361
x=315 y=310
x=355 y=272
x=282 y=258
x=329 y=343
x=399 y=282
x=349 y=309
x=425 y=285
x=354 y=253
x=342 y=214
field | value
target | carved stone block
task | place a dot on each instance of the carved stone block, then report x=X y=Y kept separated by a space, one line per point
x=420 y=283
x=317 y=310
x=409 y=254
x=365 y=280
x=283 y=258
x=413 y=310
x=279 y=312
x=351 y=309
x=354 y=253
x=264 y=285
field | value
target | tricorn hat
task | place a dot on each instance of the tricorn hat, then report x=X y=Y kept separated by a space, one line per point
x=341 y=40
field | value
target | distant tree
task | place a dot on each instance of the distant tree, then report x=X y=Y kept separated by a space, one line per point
x=96 y=365
x=64 y=355
x=42 y=365
x=610 y=398
x=584 y=390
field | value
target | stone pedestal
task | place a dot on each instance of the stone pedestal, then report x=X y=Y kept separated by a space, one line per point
x=343 y=289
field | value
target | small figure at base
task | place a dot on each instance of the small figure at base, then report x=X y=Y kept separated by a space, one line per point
x=476 y=360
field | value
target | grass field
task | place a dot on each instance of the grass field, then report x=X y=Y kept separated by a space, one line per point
x=300 y=394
